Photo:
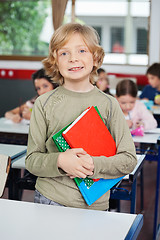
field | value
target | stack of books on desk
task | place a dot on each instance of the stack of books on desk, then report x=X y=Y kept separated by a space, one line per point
x=89 y=132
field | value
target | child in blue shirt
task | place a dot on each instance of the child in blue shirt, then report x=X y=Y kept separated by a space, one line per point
x=153 y=89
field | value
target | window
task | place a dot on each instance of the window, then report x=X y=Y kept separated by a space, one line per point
x=117 y=40
x=99 y=31
x=124 y=27
x=21 y=27
x=141 y=41
x=26 y=27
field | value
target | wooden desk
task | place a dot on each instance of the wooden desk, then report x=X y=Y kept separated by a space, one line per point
x=19 y=164
x=155 y=131
x=147 y=138
x=23 y=220
x=156 y=109
x=118 y=192
x=156 y=113
x=153 y=138
x=14 y=151
x=13 y=133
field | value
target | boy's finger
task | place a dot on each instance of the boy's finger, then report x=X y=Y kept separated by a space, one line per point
x=71 y=176
x=87 y=165
x=79 y=151
x=86 y=171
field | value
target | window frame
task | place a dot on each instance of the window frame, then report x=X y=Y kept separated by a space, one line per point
x=40 y=58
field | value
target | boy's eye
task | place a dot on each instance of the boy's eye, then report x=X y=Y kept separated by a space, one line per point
x=82 y=51
x=63 y=53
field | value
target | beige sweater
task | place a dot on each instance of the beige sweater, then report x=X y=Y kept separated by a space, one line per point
x=56 y=109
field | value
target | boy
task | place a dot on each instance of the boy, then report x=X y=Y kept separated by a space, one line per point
x=153 y=89
x=74 y=57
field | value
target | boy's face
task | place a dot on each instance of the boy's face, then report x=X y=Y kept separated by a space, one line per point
x=126 y=102
x=74 y=60
x=153 y=80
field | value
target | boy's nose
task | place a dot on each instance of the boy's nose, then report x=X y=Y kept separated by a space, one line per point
x=73 y=57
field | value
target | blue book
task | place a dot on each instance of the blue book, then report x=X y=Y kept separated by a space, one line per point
x=92 y=190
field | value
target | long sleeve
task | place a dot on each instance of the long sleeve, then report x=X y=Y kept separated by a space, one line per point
x=125 y=159
x=140 y=112
x=149 y=93
x=38 y=161
x=144 y=93
x=53 y=111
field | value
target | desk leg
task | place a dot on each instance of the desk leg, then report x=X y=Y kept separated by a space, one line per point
x=133 y=197
x=142 y=189
x=14 y=193
x=156 y=227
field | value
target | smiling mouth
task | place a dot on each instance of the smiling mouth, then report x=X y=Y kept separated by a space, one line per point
x=74 y=69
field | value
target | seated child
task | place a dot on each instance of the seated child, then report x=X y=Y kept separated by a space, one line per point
x=102 y=82
x=42 y=84
x=152 y=91
x=134 y=110
x=74 y=56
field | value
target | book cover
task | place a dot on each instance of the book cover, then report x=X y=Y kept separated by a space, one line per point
x=5 y=163
x=91 y=189
x=89 y=132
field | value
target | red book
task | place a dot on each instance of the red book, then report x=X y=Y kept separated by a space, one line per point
x=89 y=132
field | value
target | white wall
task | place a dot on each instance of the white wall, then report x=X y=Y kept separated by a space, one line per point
x=154 y=46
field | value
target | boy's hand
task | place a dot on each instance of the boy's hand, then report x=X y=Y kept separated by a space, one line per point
x=87 y=158
x=76 y=163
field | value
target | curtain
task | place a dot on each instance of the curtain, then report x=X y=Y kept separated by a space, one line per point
x=58 y=10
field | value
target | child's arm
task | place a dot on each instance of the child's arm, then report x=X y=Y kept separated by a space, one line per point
x=144 y=116
x=26 y=113
x=157 y=99
x=125 y=159
x=145 y=93
x=15 y=114
x=55 y=164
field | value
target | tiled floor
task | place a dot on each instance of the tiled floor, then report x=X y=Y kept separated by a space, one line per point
x=149 y=199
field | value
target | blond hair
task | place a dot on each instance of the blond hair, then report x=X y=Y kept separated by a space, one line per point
x=60 y=37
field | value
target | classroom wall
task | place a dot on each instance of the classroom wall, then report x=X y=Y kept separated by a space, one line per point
x=12 y=92
x=16 y=85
